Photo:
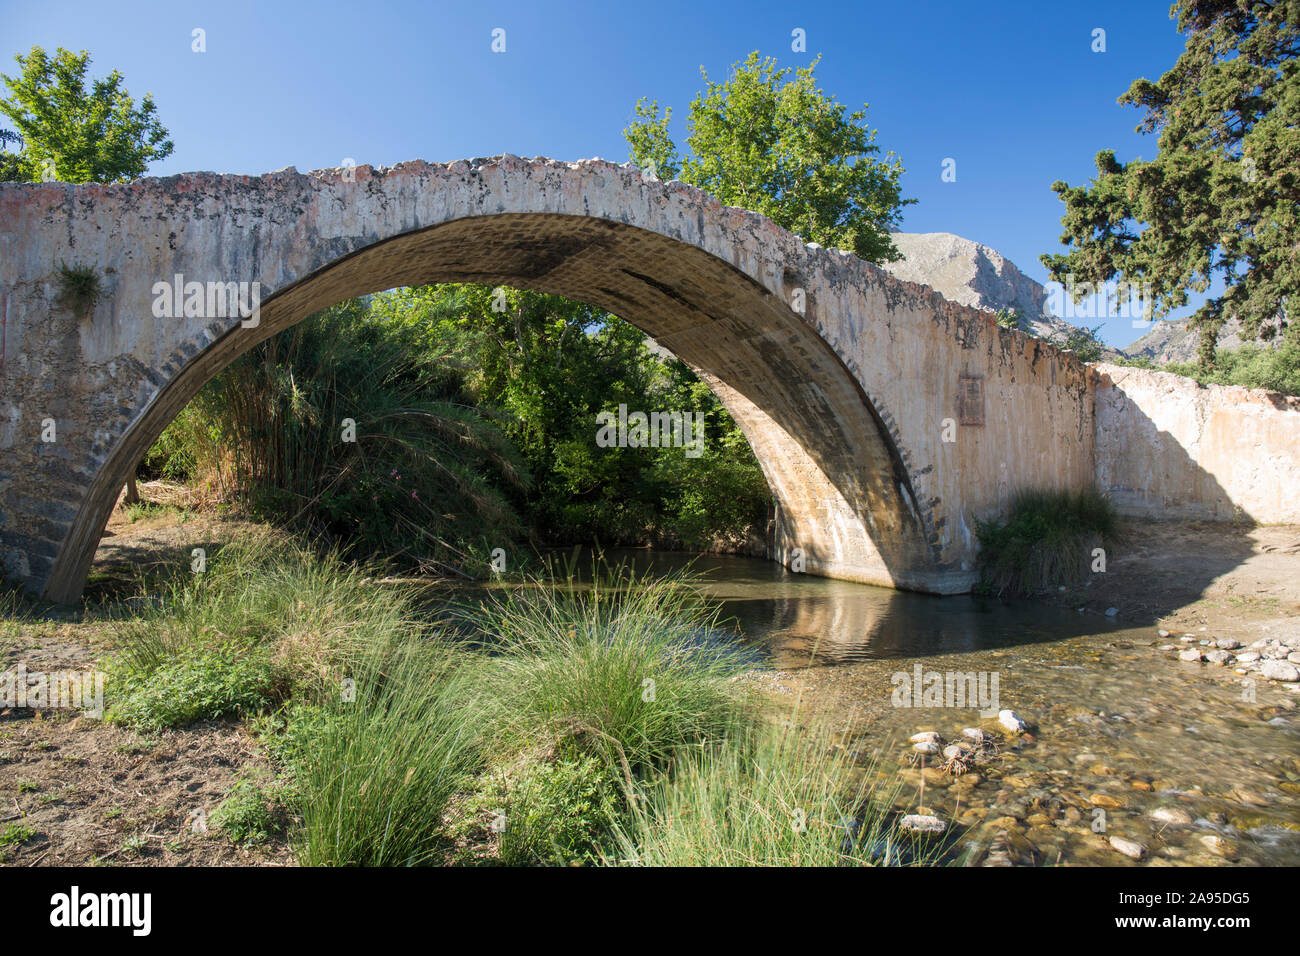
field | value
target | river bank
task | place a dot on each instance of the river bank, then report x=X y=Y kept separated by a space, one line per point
x=1125 y=742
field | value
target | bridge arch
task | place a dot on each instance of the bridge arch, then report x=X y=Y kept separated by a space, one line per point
x=842 y=399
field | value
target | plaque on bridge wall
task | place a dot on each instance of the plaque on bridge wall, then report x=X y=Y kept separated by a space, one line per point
x=970 y=400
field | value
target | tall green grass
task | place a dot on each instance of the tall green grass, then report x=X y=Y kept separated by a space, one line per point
x=770 y=796
x=1048 y=540
x=627 y=669
x=379 y=771
x=425 y=476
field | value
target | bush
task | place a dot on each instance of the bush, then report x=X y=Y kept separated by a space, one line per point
x=1047 y=541
x=554 y=813
x=1251 y=366
x=268 y=619
x=425 y=476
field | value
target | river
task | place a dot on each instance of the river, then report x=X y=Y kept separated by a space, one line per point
x=1119 y=730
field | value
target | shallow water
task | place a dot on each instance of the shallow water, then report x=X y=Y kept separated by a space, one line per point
x=1118 y=728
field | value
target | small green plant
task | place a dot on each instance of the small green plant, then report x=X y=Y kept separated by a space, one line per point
x=1082 y=342
x=379 y=771
x=628 y=670
x=16 y=834
x=1010 y=318
x=135 y=845
x=1050 y=539
x=79 y=288
x=252 y=812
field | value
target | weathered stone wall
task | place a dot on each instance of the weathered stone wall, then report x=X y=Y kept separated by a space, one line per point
x=1168 y=447
x=844 y=379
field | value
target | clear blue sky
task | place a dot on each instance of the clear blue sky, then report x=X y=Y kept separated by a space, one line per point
x=1012 y=91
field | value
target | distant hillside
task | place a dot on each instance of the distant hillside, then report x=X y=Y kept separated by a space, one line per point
x=1178 y=342
x=971 y=273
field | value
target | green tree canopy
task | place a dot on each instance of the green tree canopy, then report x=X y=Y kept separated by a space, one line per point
x=97 y=135
x=1219 y=201
x=783 y=148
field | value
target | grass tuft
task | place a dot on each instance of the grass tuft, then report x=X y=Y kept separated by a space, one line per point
x=1048 y=540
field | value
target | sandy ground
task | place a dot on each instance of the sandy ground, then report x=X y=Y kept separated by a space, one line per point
x=75 y=790
x=1235 y=580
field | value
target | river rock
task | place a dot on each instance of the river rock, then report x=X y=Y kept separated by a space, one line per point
x=1010 y=720
x=1192 y=655
x=1280 y=670
x=1218 y=657
x=926 y=737
x=921 y=823
x=1246 y=657
x=1227 y=644
x=926 y=747
x=1219 y=846
x=1129 y=848
x=1175 y=816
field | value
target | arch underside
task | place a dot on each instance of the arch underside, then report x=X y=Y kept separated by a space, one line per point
x=844 y=498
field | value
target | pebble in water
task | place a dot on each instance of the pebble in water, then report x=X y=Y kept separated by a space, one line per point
x=1011 y=721
x=1280 y=670
x=921 y=823
x=1129 y=848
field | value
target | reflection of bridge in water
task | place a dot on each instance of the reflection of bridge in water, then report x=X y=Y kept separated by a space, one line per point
x=864 y=623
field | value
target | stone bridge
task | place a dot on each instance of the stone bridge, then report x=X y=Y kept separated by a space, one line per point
x=886 y=418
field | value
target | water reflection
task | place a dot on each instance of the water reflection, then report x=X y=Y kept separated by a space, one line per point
x=804 y=621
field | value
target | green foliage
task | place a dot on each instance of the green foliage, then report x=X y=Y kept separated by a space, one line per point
x=79 y=288
x=1010 y=318
x=90 y=136
x=1222 y=197
x=252 y=812
x=554 y=813
x=16 y=834
x=1047 y=541
x=425 y=480
x=546 y=366
x=1253 y=366
x=785 y=149
x=266 y=620
x=211 y=684
x=1082 y=342
x=768 y=797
